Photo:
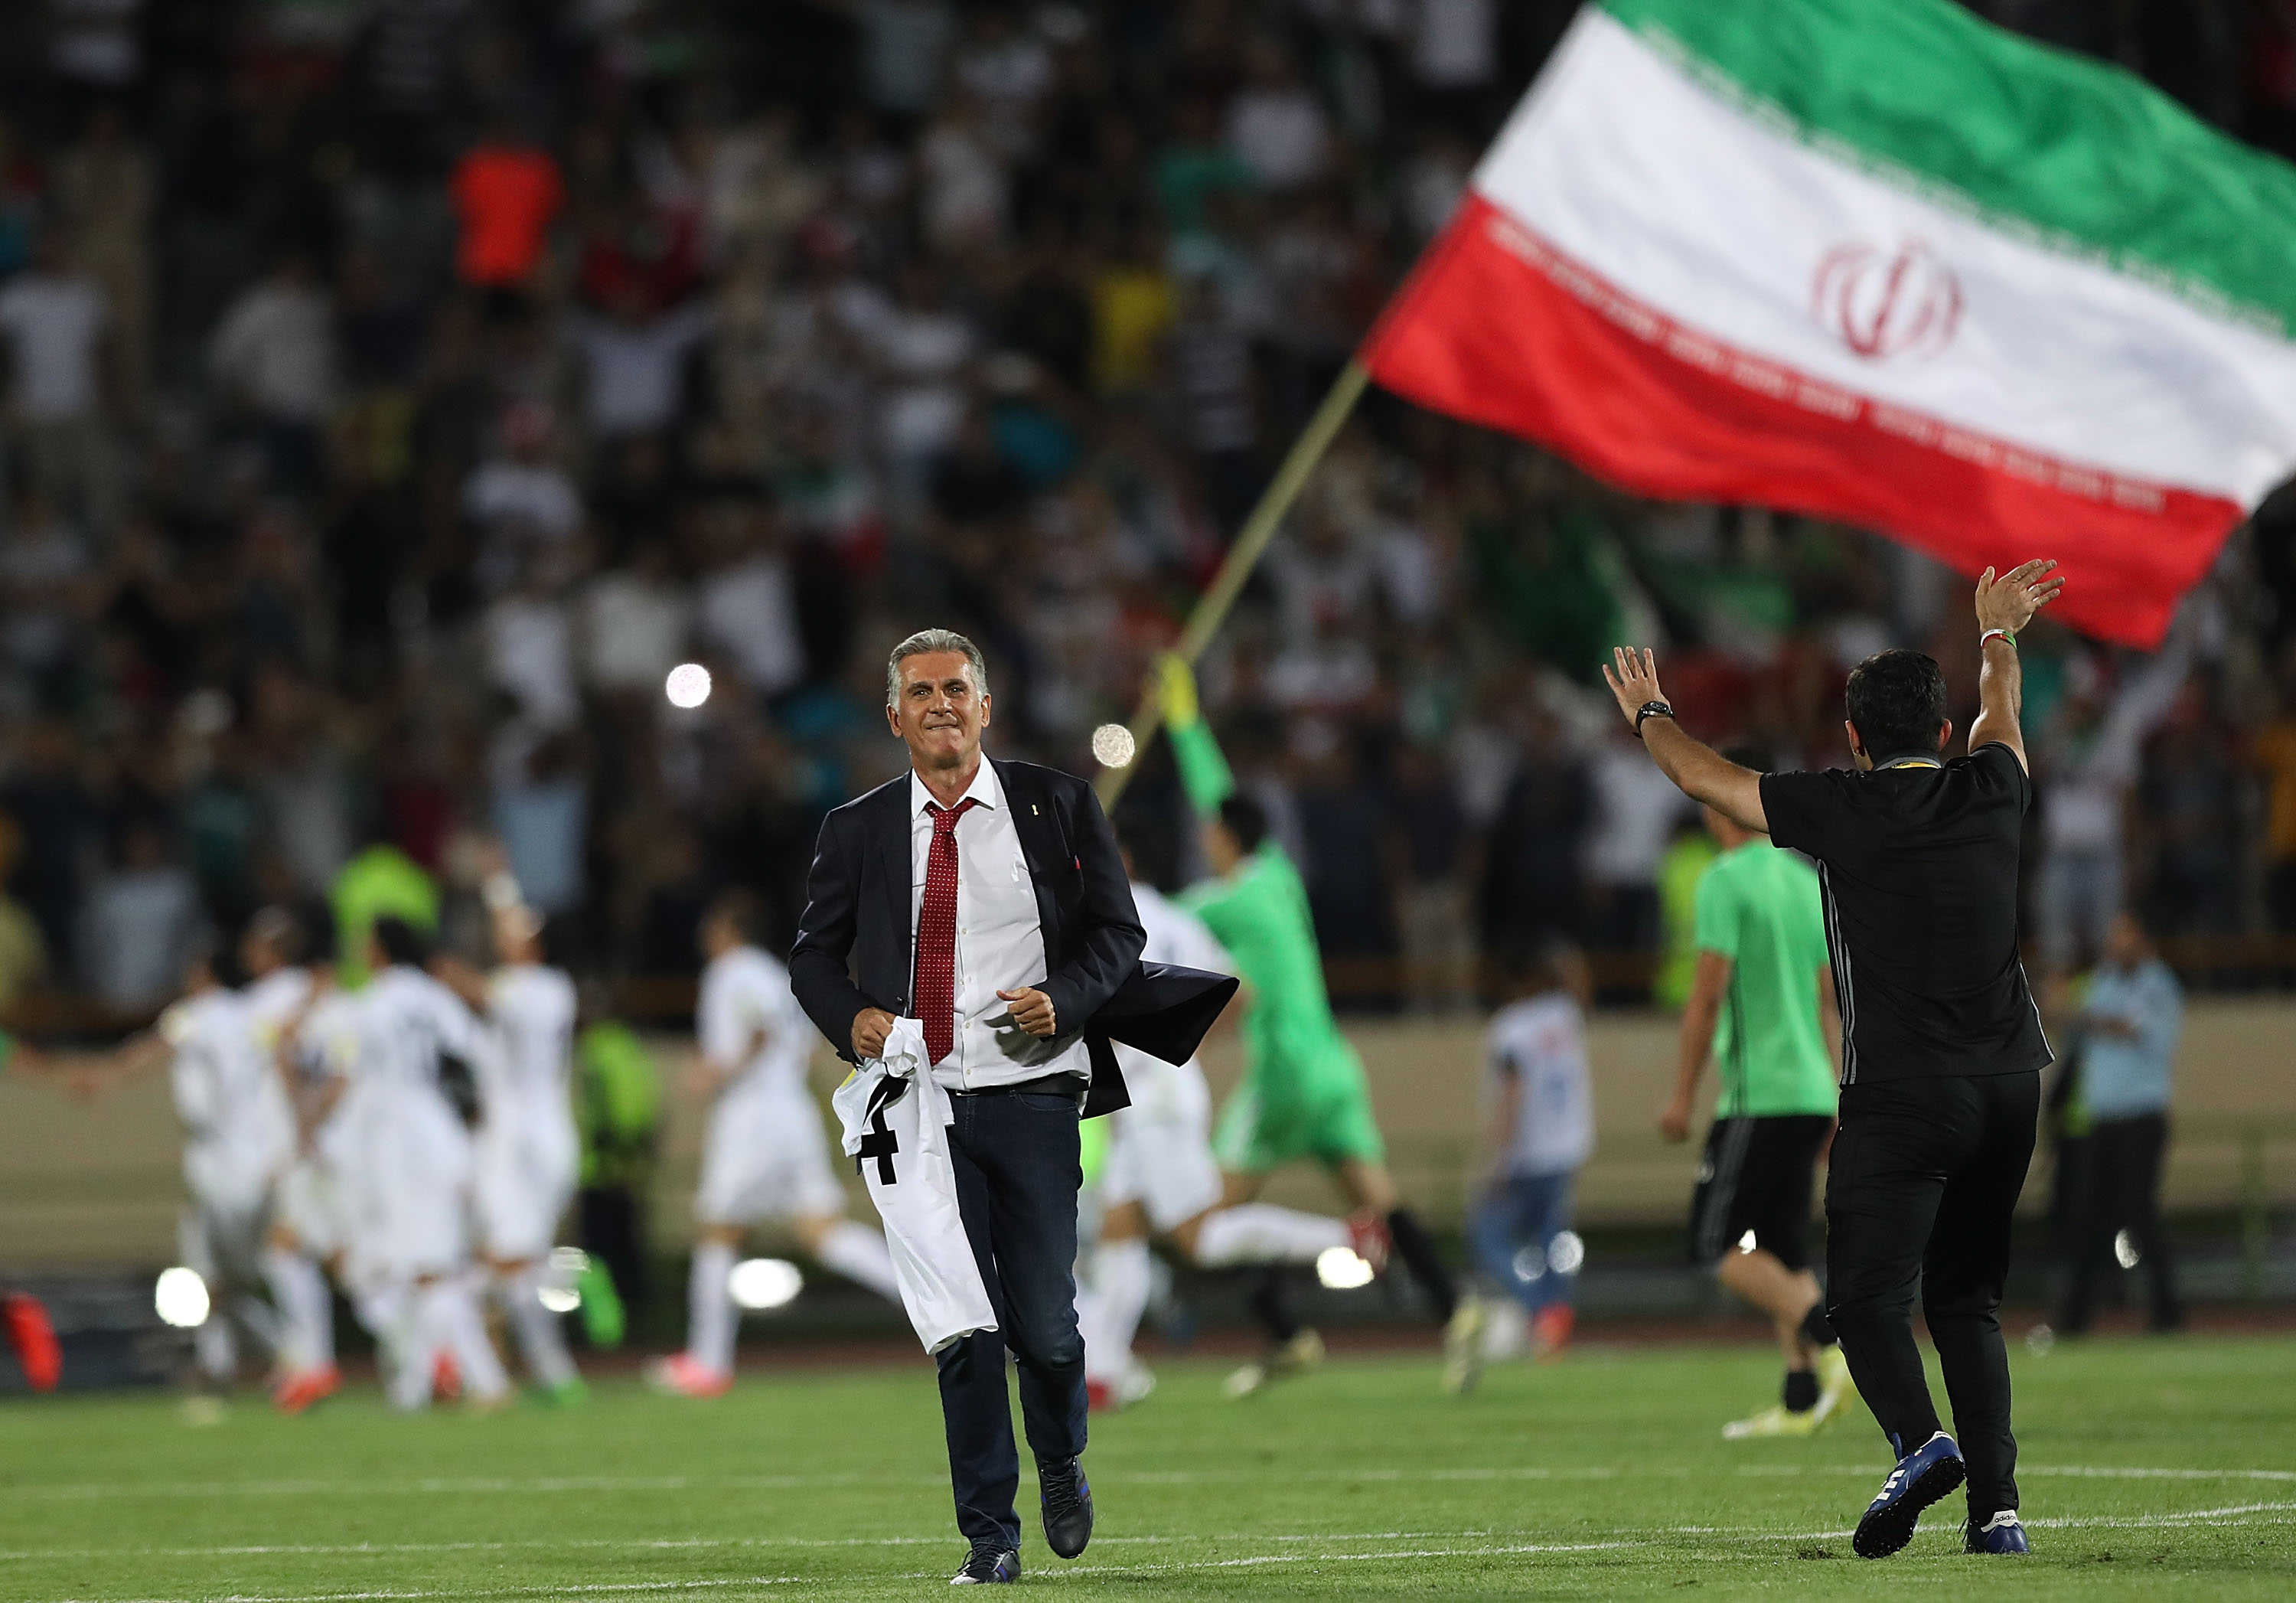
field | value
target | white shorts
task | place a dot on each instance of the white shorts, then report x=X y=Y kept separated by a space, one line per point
x=767 y=1156
x=310 y=1204
x=527 y=1170
x=221 y=1239
x=412 y=1187
x=1160 y=1151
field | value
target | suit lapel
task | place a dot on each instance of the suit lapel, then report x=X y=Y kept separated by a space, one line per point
x=889 y=839
x=1040 y=843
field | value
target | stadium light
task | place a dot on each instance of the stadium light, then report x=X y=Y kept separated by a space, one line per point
x=180 y=1298
x=1529 y=1264
x=2124 y=1250
x=561 y=1292
x=758 y=1283
x=687 y=687
x=1340 y=1268
x=1113 y=747
x=1568 y=1252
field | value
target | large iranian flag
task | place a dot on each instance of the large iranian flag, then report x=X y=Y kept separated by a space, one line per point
x=1877 y=260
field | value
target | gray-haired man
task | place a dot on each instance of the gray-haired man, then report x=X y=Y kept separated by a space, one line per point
x=987 y=900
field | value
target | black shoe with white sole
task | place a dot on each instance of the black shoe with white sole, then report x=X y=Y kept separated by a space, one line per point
x=989 y=1567
x=1068 y=1506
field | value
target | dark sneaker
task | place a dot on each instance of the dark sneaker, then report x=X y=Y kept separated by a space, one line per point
x=989 y=1567
x=1921 y=1476
x=1067 y=1498
x=2001 y=1535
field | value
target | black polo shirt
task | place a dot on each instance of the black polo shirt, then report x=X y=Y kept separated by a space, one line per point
x=1919 y=864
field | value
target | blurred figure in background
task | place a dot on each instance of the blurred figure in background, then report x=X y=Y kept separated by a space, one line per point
x=1762 y=1007
x=618 y=1109
x=527 y=1154
x=420 y=1048
x=239 y=1136
x=2130 y=1023
x=767 y=1152
x=1540 y=1117
x=1303 y=1094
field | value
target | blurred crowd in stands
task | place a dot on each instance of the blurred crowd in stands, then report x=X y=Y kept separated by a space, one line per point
x=397 y=390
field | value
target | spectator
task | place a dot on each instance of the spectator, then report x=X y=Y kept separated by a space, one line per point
x=1633 y=821
x=2130 y=1023
x=106 y=193
x=139 y=924
x=634 y=624
x=506 y=191
x=747 y=606
x=1274 y=124
x=47 y=583
x=904 y=52
x=635 y=363
x=274 y=354
x=522 y=500
x=56 y=321
x=1532 y=870
x=2088 y=763
x=541 y=809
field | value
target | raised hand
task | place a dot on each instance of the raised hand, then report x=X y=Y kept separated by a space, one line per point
x=1635 y=681
x=2010 y=601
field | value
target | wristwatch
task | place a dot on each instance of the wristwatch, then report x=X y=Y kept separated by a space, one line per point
x=1649 y=709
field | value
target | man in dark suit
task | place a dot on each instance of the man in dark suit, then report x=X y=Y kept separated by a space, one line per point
x=987 y=900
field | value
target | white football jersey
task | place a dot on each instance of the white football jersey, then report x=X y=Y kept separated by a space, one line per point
x=1542 y=1042
x=748 y=1020
x=532 y=1009
x=408 y=1020
x=231 y=1104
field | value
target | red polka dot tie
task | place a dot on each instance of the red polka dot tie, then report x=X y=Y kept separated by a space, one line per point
x=937 y=932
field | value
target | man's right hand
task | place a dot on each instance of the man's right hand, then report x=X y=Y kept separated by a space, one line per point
x=871 y=1026
x=1674 y=1119
x=2010 y=601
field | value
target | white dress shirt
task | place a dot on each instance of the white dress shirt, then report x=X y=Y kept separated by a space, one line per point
x=1000 y=943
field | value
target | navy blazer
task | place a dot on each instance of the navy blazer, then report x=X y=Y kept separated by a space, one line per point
x=854 y=948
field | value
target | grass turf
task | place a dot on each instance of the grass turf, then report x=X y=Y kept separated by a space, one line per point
x=2149 y=1466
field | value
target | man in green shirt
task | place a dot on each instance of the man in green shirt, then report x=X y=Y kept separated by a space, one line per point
x=1760 y=1006
x=1303 y=1093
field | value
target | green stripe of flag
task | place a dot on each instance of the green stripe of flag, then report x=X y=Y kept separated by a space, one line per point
x=2081 y=156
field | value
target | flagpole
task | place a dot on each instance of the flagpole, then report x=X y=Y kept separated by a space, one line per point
x=1212 y=607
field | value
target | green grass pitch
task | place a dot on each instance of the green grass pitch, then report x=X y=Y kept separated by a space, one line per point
x=2153 y=1468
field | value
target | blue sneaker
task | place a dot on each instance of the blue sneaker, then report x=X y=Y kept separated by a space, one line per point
x=2001 y=1535
x=1067 y=1497
x=1921 y=1476
x=989 y=1567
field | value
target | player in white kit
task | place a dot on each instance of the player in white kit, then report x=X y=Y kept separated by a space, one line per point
x=1540 y=1098
x=412 y=1175
x=527 y=1152
x=302 y=1231
x=766 y=1154
x=239 y=1135
x=1159 y=1178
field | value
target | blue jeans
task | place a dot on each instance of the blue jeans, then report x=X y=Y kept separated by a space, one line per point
x=1017 y=1176
x=1513 y=1233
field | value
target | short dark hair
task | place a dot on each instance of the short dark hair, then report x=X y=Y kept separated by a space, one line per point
x=1245 y=820
x=401 y=942
x=1896 y=700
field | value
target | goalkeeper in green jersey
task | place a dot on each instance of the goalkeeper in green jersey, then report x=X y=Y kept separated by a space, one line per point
x=1303 y=1093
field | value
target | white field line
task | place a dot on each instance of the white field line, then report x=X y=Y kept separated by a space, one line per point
x=516 y=1591
x=1626 y=1537
x=465 y=1485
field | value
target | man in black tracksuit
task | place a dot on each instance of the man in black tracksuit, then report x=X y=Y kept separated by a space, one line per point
x=1941 y=1047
